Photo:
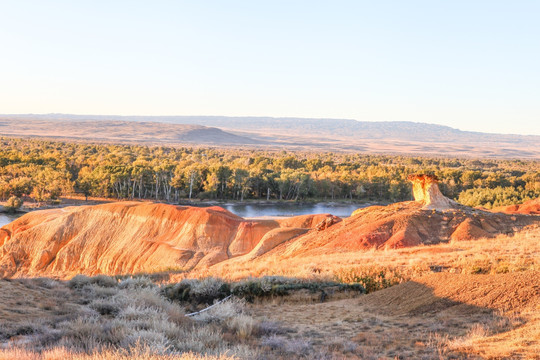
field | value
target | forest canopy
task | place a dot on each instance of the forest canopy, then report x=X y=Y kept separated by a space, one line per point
x=46 y=170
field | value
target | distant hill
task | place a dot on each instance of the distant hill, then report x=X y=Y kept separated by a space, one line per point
x=399 y=137
x=122 y=131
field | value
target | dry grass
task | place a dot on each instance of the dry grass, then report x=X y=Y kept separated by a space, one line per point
x=104 y=318
x=443 y=316
x=487 y=335
x=138 y=353
x=512 y=336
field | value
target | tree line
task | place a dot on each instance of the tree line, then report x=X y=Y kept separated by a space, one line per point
x=46 y=170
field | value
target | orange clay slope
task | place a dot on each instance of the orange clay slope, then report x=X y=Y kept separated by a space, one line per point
x=531 y=207
x=129 y=237
x=431 y=219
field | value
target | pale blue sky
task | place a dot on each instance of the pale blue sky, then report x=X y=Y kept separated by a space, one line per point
x=473 y=65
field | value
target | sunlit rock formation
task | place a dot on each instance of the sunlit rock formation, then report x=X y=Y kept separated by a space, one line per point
x=129 y=237
x=430 y=219
x=134 y=237
x=426 y=191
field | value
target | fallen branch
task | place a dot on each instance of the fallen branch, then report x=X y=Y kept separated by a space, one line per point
x=208 y=308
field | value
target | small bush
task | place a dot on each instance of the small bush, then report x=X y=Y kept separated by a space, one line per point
x=105 y=307
x=297 y=347
x=242 y=325
x=155 y=341
x=114 y=331
x=274 y=342
x=203 y=291
x=13 y=204
x=104 y=281
x=78 y=281
x=138 y=313
x=370 y=278
x=200 y=340
x=83 y=334
x=267 y=328
x=46 y=283
x=139 y=282
x=96 y=291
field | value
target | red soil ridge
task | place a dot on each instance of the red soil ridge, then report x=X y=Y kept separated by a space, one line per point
x=129 y=237
x=531 y=207
x=402 y=225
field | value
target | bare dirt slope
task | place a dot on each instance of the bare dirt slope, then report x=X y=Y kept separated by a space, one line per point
x=455 y=292
x=401 y=225
x=436 y=316
x=531 y=207
x=129 y=237
x=430 y=219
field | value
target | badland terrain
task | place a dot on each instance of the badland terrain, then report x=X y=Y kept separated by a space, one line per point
x=440 y=261
x=428 y=278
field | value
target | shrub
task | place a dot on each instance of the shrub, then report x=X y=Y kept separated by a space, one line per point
x=46 y=282
x=222 y=312
x=298 y=347
x=105 y=307
x=83 y=334
x=95 y=291
x=139 y=282
x=242 y=325
x=200 y=340
x=104 y=281
x=157 y=343
x=267 y=328
x=203 y=291
x=78 y=281
x=138 y=313
x=13 y=204
x=280 y=286
x=370 y=278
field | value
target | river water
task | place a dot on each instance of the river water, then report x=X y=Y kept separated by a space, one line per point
x=6 y=219
x=260 y=210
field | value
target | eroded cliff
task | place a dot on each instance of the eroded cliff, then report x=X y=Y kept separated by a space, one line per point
x=129 y=237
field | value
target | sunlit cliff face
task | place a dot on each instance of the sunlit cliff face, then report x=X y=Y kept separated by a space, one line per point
x=426 y=191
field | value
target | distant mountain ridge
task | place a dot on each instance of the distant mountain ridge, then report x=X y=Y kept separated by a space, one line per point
x=296 y=133
x=122 y=131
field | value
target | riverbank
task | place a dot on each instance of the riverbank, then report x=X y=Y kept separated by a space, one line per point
x=32 y=205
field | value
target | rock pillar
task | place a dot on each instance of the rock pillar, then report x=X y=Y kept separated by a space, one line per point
x=426 y=191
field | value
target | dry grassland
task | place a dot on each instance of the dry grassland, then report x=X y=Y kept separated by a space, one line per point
x=502 y=254
x=470 y=299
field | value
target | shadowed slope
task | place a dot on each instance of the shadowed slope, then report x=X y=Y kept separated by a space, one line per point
x=437 y=316
x=515 y=291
